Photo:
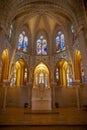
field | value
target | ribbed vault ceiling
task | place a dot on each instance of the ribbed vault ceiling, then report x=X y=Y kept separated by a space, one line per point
x=40 y=13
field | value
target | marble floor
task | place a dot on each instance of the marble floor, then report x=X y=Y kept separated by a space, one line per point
x=60 y=116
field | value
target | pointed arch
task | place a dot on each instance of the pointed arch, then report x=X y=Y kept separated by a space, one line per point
x=77 y=65
x=63 y=73
x=5 y=64
x=41 y=75
x=20 y=73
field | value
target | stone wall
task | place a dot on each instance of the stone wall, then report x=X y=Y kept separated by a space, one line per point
x=67 y=97
x=17 y=97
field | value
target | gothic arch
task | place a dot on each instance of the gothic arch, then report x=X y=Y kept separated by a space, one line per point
x=77 y=65
x=20 y=73
x=5 y=64
x=35 y=5
x=41 y=68
x=64 y=73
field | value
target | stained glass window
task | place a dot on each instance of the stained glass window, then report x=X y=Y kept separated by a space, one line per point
x=41 y=80
x=46 y=80
x=36 y=79
x=10 y=31
x=57 y=74
x=13 y=78
x=82 y=73
x=69 y=78
x=41 y=46
x=60 y=43
x=25 y=76
x=23 y=42
x=73 y=34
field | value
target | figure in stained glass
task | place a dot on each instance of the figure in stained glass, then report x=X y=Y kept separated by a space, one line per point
x=60 y=43
x=23 y=42
x=41 y=46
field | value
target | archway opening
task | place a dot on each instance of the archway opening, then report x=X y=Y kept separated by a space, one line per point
x=5 y=65
x=41 y=76
x=77 y=65
x=20 y=73
x=63 y=73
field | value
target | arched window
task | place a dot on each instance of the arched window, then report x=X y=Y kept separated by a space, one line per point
x=23 y=42
x=82 y=73
x=73 y=34
x=41 y=46
x=57 y=74
x=69 y=78
x=41 y=76
x=25 y=75
x=60 y=42
x=10 y=31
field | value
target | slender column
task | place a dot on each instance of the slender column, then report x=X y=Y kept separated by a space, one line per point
x=77 y=97
x=53 y=94
x=4 y=100
x=6 y=83
x=29 y=85
x=77 y=85
x=83 y=49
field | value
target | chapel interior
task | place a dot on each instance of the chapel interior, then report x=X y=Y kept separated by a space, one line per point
x=43 y=55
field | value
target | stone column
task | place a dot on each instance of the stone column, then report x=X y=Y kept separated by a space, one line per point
x=6 y=84
x=83 y=50
x=76 y=83
x=53 y=85
x=5 y=96
x=30 y=94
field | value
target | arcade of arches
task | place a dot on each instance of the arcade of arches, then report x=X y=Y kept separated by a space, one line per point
x=43 y=47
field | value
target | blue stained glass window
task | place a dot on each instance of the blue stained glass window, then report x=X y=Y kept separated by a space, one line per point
x=60 y=43
x=41 y=46
x=23 y=42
